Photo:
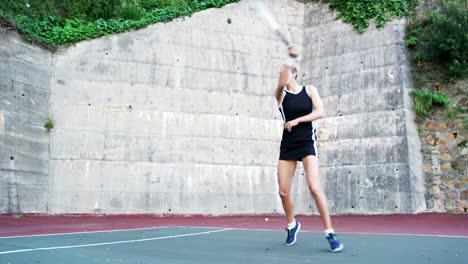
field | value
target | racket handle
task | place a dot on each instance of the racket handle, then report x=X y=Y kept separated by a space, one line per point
x=282 y=37
x=291 y=62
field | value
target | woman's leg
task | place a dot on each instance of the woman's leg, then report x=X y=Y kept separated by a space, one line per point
x=311 y=166
x=286 y=170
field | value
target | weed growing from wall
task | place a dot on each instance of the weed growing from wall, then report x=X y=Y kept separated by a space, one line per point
x=49 y=125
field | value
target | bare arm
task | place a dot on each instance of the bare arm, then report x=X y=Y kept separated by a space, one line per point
x=316 y=114
x=283 y=80
x=285 y=74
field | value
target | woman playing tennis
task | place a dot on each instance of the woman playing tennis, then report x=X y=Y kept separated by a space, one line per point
x=299 y=107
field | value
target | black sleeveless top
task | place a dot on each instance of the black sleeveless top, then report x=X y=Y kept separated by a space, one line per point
x=302 y=140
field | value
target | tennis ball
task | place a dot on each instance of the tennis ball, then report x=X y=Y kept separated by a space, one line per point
x=229 y=20
x=266 y=219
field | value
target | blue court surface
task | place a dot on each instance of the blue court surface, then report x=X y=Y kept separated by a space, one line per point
x=217 y=245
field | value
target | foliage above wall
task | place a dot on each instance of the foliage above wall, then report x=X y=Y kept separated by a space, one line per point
x=360 y=12
x=56 y=22
x=442 y=37
x=437 y=41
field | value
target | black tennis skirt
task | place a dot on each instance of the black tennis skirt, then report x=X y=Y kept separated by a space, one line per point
x=298 y=152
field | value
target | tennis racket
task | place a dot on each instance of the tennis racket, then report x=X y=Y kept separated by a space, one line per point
x=264 y=14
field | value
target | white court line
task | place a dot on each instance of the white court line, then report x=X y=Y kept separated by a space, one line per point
x=350 y=233
x=115 y=242
x=88 y=232
x=398 y=234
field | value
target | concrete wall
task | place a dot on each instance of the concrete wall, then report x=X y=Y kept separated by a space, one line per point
x=180 y=118
x=175 y=118
x=24 y=108
x=371 y=160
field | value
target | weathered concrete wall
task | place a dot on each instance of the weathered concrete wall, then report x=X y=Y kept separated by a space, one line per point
x=180 y=118
x=24 y=108
x=175 y=118
x=371 y=160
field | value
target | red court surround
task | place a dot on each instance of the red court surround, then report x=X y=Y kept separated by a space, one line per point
x=425 y=224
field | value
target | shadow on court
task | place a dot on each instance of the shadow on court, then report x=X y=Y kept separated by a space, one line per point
x=219 y=245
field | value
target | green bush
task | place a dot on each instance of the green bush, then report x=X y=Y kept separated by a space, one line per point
x=130 y=10
x=424 y=101
x=88 y=10
x=56 y=22
x=359 y=12
x=151 y=4
x=34 y=9
x=442 y=38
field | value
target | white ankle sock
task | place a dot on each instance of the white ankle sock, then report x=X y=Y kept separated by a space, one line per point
x=292 y=224
x=328 y=231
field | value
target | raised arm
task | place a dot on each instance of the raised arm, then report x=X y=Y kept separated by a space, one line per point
x=285 y=74
x=284 y=77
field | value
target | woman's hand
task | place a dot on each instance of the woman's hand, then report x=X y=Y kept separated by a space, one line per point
x=289 y=125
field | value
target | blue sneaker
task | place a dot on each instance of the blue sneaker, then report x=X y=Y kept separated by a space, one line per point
x=335 y=244
x=292 y=234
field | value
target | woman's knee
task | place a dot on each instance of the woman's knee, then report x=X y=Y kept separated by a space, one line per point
x=284 y=188
x=315 y=190
x=284 y=193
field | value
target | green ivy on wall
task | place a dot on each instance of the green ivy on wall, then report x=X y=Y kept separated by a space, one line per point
x=45 y=22
x=59 y=22
x=360 y=12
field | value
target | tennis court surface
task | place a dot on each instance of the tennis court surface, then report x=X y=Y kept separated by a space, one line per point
x=425 y=238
